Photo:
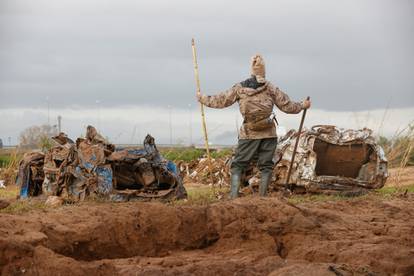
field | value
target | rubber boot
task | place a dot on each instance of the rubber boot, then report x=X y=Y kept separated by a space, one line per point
x=235 y=184
x=264 y=182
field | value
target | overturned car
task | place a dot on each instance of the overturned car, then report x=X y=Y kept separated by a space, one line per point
x=94 y=167
x=328 y=160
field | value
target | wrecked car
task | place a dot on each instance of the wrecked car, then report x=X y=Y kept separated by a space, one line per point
x=144 y=173
x=94 y=167
x=329 y=160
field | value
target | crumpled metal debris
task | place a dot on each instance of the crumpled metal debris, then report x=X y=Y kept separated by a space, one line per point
x=92 y=166
x=144 y=173
x=329 y=160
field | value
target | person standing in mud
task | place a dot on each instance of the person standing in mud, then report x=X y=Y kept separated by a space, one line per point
x=257 y=136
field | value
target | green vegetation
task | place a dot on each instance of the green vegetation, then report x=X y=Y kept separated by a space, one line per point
x=183 y=154
x=10 y=192
x=19 y=206
x=393 y=191
x=202 y=196
x=23 y=206
x=4 y=160
x=8 y=166
x=222 y=153
x=190 y=154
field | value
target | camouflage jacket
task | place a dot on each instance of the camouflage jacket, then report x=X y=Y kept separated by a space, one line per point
x=253 y=104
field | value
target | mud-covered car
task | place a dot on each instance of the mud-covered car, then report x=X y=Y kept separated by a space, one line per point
x=329 y=160
x=94 y=167
x=144 y=174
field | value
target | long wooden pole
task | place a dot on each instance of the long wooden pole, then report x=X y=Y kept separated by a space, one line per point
x=203 y=117
x=296 y=145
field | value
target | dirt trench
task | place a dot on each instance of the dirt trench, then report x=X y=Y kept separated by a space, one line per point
x=247 y=236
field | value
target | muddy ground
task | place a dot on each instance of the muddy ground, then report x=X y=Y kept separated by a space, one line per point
x=247 y=236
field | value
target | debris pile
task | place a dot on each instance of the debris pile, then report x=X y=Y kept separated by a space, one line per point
x=92 y=166
x=198 y=171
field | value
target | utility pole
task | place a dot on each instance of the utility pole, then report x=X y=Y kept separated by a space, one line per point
x=99 y=115
x=48 y=110
x=190 y=128
x=170 y=123
x=59 y=123
x=133 y=134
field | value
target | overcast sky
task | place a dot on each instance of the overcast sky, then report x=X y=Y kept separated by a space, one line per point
x=351 y=57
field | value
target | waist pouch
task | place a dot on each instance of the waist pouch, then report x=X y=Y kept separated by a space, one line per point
x=262 y=124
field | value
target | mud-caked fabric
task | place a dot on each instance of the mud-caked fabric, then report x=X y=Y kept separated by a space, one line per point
x=254 y=104
x=247 y=149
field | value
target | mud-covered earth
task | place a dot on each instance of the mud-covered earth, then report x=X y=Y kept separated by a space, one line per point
x=247 y=236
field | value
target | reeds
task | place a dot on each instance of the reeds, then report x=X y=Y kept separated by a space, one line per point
x=9 y=173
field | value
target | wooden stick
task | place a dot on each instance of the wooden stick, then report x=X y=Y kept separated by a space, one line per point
x=296 y=144
x=203 y=117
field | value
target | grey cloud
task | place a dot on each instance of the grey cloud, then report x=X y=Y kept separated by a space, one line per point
x=349 y=55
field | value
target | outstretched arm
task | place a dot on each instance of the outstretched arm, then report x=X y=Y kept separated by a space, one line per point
x=283 y=102
x=221 y=100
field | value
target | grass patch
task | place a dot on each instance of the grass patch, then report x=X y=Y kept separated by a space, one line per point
x=5 y=160
x=394 y=190
x=183 y=154
x=190 y=154
x=19 y=206
x=10 y=192
x=202 y=196
x=223 y=153
x=23 y=206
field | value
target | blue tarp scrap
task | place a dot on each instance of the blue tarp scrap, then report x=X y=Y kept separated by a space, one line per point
x=104 y=179
x=88 y=166
x=171 y=167
x=77 y=186
x=137 y=151
x=24 y=189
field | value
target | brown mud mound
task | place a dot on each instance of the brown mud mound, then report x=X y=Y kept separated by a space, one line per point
x=248 y=236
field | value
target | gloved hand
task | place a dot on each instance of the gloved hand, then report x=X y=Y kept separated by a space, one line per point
x=306 y=104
